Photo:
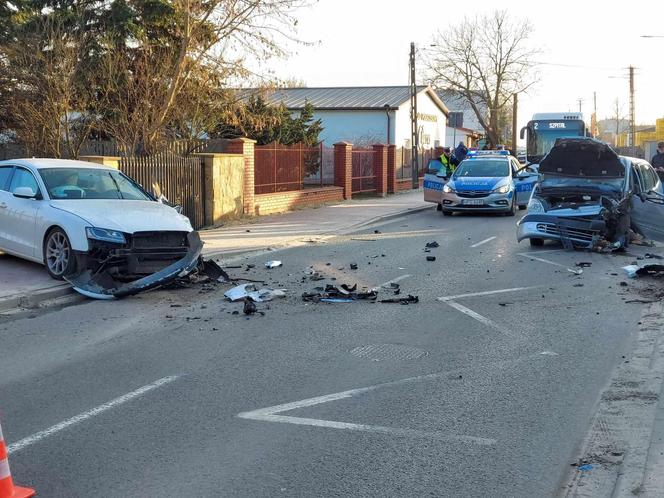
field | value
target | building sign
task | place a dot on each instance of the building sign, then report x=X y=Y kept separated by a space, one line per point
x=427 y=117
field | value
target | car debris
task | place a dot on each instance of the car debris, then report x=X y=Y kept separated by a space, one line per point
x=273 y=264
x=345 y=293
x=584 y=264
x=402 y=300
x=114 y=272
x=353 y=266
x=432 y=245
x=652 y=256
x=575 y=272
x=249 y=291
x=249 y=307
x=431 y=258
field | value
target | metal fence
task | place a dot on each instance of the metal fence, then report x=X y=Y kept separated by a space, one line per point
x=364 y=173
x=281 y=168
x=180 y=179
x=404 y=162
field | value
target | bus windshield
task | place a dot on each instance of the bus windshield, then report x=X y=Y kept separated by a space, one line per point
x=542 y=135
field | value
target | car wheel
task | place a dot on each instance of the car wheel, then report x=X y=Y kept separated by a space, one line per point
x=521 y=208
x=536 y=242
x=58 y=254
x=447 y=212
x=439 y=207
x=512 y=210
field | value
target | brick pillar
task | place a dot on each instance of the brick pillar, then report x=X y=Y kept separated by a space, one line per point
x=380 y=168
x=245 y=146
x=391 y=169
x=343 y=167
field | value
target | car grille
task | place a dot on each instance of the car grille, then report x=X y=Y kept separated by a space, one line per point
x=572 y=233
x=159 y=240
x=472 y=194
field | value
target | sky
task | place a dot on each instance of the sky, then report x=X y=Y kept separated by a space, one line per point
x=587 y=45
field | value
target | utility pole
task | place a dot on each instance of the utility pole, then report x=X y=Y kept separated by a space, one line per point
x=580 y=101
x=632 y=116
x=514 y=116
x=414 y=138
x=593 y=123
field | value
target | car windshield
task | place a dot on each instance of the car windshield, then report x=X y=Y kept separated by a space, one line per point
x=89 y=183
x=482 y=167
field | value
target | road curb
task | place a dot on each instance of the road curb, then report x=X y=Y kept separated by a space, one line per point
x=34 y=298
x=296 y=243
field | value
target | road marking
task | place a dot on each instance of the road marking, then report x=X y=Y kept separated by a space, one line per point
x=483 y=242
x=393 y=281
x=485 y=293
x=480 y=318
x=541 y=260
x=271 y=414
x=451 y=301
x=19 y=445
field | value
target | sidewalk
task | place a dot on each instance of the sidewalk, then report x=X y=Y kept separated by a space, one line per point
x=296 y=227
x=24 y=283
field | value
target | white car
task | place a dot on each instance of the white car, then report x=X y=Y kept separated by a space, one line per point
x=93 y=226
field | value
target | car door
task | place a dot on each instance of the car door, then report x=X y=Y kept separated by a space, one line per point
x=434 y=180
x=648 y=215
x=5 y=197
x=21 y=214
x=524 y=180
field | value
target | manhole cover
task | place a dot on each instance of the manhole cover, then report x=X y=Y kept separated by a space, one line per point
x=380 y=352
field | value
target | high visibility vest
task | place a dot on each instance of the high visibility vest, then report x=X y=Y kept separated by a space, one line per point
x=446 y=162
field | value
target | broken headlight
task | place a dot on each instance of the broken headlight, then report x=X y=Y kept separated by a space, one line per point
x=502 y=190
x=105 y=235
x=535 y=206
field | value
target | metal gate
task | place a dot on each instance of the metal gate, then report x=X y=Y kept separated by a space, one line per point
x=180 y=179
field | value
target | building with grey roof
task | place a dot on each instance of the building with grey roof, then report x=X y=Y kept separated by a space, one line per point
x=368 y=115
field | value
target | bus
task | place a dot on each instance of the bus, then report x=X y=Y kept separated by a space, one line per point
x=546 y=127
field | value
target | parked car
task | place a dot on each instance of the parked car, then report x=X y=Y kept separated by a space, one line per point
x=488 y=182
x=588 y=196
x=93 y=226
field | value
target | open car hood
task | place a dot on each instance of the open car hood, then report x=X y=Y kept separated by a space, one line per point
x=582 y=157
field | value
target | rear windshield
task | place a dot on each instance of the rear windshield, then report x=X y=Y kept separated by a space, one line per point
x=482 y=167
x=88 y=183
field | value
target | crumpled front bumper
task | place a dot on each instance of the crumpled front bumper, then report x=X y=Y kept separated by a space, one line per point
x=101 y=285
x=581 y=232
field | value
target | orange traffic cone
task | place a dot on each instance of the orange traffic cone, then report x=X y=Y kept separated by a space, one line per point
x=7 y=488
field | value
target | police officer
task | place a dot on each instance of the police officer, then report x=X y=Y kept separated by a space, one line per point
x=657 y=160
x=450 y=162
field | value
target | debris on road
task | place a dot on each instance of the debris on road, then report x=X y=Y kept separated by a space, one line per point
x=649 y=255
x=353 y=266
x=239 y=292
x=431 y=258
x=432 y=245
x=273 y=264
x=249 y=307
x=344 y=293
x=633 y=271
x=630 y=270
x=584 y=264
x=214 y=271
x=576 y=272
x=402 y=300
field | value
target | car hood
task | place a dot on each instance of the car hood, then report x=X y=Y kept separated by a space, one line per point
x=582 y=157
x=479 y=183
x=125 y=215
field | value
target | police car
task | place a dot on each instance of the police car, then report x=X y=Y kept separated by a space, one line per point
x=488 y=181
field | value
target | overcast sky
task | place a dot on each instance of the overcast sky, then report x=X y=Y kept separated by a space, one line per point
x=366 y=42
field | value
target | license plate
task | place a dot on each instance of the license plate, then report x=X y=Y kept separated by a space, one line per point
x=473 y=202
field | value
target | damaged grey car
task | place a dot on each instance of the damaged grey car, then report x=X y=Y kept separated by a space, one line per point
x=589 y=197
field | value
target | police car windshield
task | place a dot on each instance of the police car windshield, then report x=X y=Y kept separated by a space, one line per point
x=482 y=167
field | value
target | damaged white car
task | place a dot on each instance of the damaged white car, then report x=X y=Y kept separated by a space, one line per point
x=589 y=197
x=93 y=226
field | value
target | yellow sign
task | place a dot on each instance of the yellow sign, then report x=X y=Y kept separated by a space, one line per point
x=427 y=117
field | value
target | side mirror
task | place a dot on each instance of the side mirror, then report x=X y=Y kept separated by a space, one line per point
x=24 y=193
x=522 y=133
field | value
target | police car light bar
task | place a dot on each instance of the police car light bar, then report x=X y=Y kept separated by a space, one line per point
x=476 y=153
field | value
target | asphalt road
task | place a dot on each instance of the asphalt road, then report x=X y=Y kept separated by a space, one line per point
x=170 y=394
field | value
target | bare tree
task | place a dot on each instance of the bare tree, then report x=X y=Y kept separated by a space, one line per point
x=486 y=59
x=50 y=109
x=208 y=48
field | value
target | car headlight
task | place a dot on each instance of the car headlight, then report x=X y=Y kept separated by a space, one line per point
x=447 y=189
x=105 y=235
x=502 y=190
x=535 y=206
